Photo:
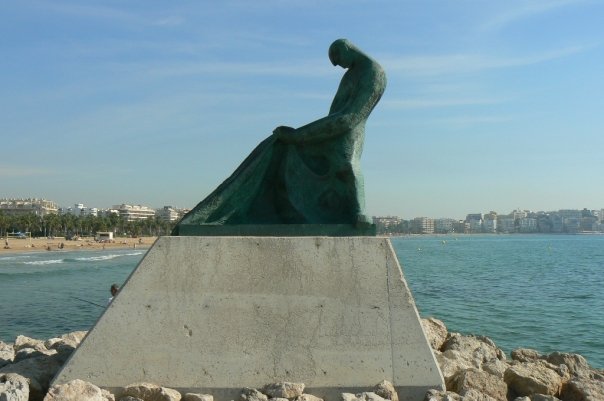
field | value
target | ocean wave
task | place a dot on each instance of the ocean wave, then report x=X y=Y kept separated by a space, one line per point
x=106 y=257
x=45 y=262
x=14 y=257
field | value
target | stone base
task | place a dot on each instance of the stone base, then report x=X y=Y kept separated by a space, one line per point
x=216 y=314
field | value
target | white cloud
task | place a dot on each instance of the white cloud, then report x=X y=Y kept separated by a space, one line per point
x=525 y=9
x=466 y=63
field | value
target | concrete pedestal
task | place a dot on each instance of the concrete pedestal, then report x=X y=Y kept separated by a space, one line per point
x=216 y=314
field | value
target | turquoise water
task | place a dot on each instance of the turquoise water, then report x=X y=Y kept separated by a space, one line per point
x=537 y=291
x=39 y=291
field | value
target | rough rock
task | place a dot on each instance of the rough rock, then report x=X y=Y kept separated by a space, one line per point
x=28 y=342
x=197 y=397
x=78 y=390
x=527 y=378
x=480 y=381
x=386 y=390
x=542 y=397
x=13 y=387
x=452 y=363
x=496 y=367
x=475 y=395
x=75 y=336
x=479 y=349
x=522 y=399
x=436 y=332
x=525 y=355
x=365 y=396
x=308 y=397
x=129 y=398
x=151 y=392
x=7 y=353
x=38 y=371
x=577 y=365
x=284 y=390
x=25 y=353
x=583 y=390
x=251 y=394
x=438 y=395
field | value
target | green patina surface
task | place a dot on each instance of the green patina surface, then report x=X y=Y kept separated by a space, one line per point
x=309 y=177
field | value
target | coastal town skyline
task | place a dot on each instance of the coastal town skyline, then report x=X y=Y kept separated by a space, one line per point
x=487 y=103
x=7 y=204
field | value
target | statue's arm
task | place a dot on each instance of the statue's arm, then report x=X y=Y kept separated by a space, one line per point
x=356 y=111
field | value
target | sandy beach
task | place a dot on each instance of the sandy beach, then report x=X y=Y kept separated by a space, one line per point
x=85 y=243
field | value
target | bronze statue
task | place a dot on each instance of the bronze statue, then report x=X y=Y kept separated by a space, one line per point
x=306 y=175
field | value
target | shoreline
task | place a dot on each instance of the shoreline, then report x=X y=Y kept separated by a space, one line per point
x=83 y=244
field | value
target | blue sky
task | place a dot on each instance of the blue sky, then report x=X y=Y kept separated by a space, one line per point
x=490 y=105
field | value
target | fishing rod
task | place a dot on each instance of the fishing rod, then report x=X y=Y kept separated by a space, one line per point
x=89 y=302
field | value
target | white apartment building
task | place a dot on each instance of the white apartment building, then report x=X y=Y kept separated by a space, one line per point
x=528 y=225
x=168 y=213
x=489 y=225
x=443 y=226
x=39 y=207
x=134 y=212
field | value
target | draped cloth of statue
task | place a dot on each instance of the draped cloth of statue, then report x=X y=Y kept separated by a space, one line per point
x=306 y=175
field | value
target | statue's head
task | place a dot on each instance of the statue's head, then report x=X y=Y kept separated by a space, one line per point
x=343 y=53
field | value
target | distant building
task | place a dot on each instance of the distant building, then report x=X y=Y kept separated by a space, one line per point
x=39 y=207
x=507 y=224
x=489 y=225
x=134 y=212
x=527 y=225
x=422 y=225
x=79 y=209
x=444 y=226
x=168 y=213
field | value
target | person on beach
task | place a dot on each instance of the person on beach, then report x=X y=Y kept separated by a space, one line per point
x=114 y=289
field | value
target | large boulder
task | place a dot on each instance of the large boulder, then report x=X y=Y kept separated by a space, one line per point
x=543 y=397
x=252 y=394
x=435 y=331
x=197 y=397
x=582 y=389
x=13 y=387
x=386 y=390
x=72 y=339
x=7 y=353
x=451 y=364
x=38 y=371
x=28 y=342
x=78 y=390
x=481 y=382
x=577 y=365
x=439 y=395
x=525 y=355
x=475 y=395
x=476 y=349
x=284 y=390
x=365 y=396
x=527 y=378
x=151 y=392
x=308 y=397
x=496 y=367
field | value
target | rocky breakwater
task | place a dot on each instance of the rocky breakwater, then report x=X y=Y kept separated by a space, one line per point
x=473 y=367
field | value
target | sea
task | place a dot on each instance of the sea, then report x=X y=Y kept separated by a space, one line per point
x=544 y=292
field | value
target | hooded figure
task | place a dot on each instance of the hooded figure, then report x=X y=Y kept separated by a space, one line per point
x=310 y=174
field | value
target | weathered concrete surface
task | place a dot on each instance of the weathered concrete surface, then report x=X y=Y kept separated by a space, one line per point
x=215 y=314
